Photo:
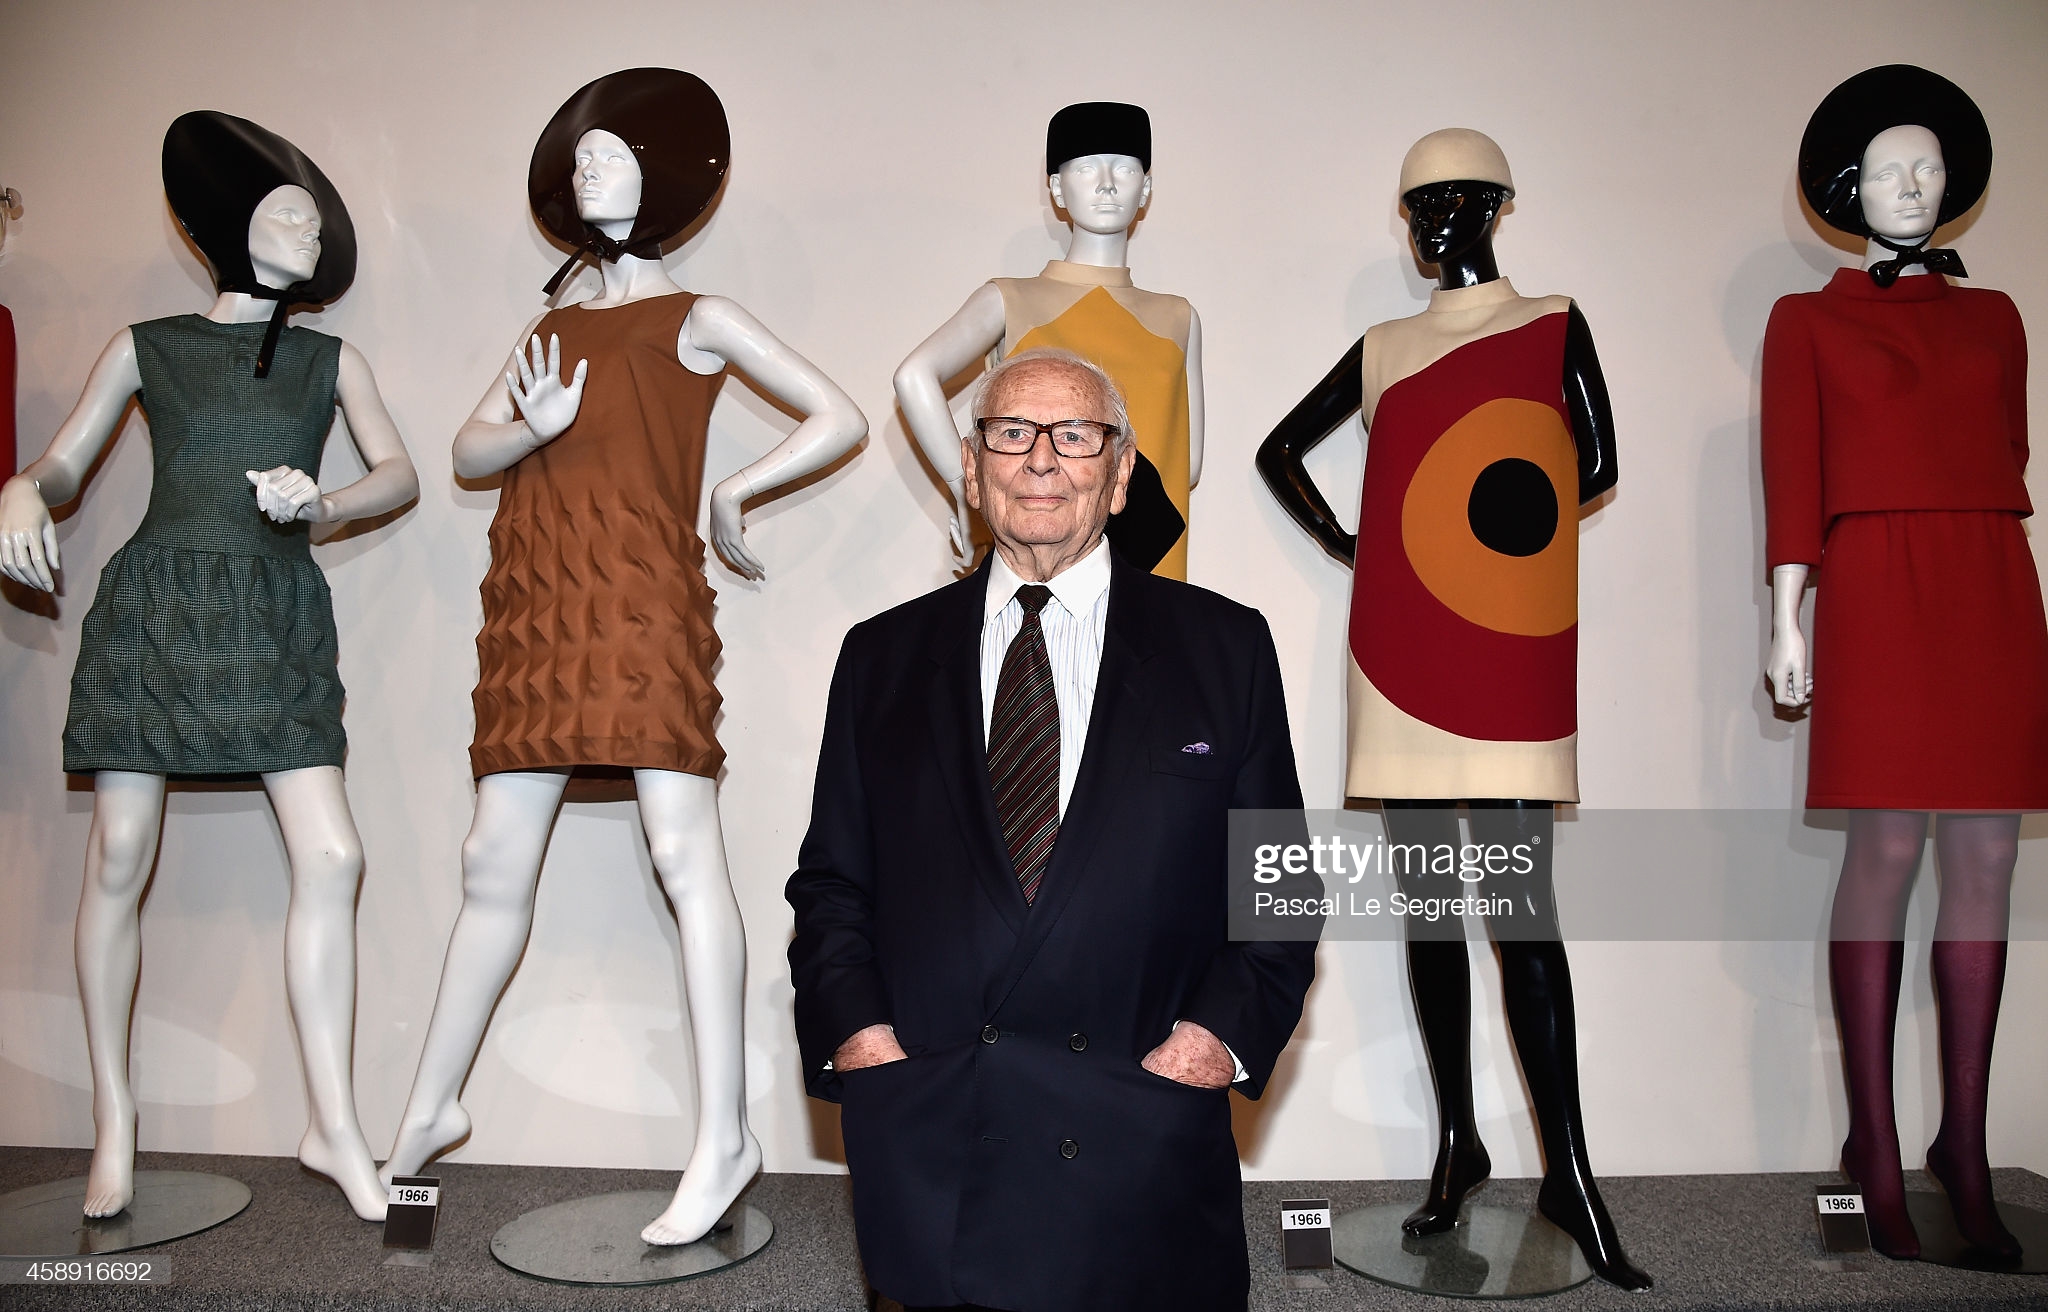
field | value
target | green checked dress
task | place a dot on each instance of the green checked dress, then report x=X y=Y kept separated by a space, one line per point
x=210 y=646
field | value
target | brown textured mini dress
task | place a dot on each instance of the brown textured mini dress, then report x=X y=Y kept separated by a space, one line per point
x=597 y=643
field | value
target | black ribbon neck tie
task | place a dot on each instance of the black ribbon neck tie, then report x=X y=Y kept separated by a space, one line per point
x=1935 y=259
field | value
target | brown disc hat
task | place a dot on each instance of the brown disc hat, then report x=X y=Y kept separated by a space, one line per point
x=217 y=170
x=677 y=129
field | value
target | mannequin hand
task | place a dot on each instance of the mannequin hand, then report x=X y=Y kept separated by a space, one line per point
x=874 y=1046
x=1192 y=1055
x=1791 y=680
x=546 y=404
x=728 y=527
x=960 y=529
x=286 y=494
x=28 y=540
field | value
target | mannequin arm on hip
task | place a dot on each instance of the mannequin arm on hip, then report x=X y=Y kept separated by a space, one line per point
x=832 y=425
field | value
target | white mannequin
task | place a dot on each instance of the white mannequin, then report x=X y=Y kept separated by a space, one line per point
x=515 y=810
x=1900 y=185
x=311 y=804
x=1112 y=190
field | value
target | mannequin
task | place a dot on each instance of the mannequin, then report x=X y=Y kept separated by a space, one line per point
x=1098 y=162
x=1904 y=487
x=209 y=649
x=597 y=583
x=1489 y=423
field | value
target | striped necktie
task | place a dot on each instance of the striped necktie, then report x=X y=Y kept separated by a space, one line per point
x=1024 y=747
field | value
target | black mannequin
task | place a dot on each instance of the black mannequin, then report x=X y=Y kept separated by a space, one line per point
x=1452 y=226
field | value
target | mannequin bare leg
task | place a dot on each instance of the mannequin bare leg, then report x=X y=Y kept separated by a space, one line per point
x=680 y=814
x=1865 y=961
x=320 y=973
x=127 y=817
x=1977 y=853
x=500 y=868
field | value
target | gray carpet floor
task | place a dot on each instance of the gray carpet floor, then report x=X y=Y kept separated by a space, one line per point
x=1726 y=1241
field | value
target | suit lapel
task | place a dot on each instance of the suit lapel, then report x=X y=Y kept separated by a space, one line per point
x=954 y=703
x=1115 y=748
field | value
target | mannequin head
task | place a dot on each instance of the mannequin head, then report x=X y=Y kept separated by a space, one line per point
x=628 y=163
x=1098 y=164
x=1872 y=142
x=284 y=237
x=1454 y=182
x=1901 y=182
x=264 y=216
x=608 y=183
x=1102 y=193
x=1451 y=219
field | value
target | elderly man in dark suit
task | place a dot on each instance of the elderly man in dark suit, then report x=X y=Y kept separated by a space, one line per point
x=1012 y=964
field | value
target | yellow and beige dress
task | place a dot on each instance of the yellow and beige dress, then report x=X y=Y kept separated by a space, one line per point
x=1139 y=338
x=1464 y=613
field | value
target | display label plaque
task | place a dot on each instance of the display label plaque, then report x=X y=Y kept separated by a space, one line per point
x=1843 y=1227
x=411 y=1208
x=1305 y=1234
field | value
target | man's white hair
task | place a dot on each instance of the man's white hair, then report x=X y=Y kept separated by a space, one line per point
x=1113 y=396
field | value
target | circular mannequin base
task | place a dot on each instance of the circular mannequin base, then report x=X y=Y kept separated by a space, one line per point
x=596 y=1241
x=1940 y=1244
x=48 y=1220
x=1493 y=1252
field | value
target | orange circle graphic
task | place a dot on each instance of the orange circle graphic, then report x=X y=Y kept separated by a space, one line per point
x=1532 y=595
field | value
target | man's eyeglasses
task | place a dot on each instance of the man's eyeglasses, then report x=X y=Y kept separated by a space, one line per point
x=1074 y=438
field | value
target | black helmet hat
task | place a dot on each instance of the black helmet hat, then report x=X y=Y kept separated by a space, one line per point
x=1098 y=127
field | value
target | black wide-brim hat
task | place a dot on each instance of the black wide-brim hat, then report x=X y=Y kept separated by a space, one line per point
x=677 y=129
x=217 y=170
x=1831 y=152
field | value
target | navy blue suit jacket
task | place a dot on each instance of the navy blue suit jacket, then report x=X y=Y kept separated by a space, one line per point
x=1021 y=1157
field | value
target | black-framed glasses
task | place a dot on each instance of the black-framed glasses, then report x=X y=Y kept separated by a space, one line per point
x=1075 y=438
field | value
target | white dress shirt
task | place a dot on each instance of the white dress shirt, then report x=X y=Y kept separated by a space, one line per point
x=1072 y=621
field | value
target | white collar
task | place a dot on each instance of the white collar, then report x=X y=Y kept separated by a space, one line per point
x=1077 y=587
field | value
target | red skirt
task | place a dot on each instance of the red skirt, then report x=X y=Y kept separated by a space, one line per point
x=1930 y=665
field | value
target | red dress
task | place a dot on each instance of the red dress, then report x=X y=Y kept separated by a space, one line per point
x=1894 y=448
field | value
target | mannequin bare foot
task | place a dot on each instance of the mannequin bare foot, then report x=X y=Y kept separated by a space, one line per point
x=110 y=1183
x=419 y=1141
x=344 y=1158
x=712 y=1180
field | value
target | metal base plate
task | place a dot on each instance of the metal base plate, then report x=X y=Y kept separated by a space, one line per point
x=596 y=1241
x=1493 y=1252
x=48 y=1220
x=1940 y=1244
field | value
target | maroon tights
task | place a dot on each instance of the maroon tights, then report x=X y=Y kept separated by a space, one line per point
x=1975 y=855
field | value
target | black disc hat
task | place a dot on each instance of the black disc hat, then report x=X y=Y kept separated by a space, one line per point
x=677 y=129
x=1831 y=152
x=1098 y=127
x=217 y=170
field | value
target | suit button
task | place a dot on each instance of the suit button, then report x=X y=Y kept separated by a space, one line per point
x=989 y=1034
x=1078 y=1042
x=1069 y=1149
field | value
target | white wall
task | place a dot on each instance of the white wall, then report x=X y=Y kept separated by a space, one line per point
x=884 y=164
